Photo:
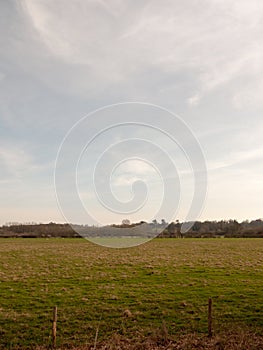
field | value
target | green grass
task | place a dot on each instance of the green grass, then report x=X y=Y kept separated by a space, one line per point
x=164 y=280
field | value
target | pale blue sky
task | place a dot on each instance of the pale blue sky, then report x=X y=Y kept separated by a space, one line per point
x=61 y=60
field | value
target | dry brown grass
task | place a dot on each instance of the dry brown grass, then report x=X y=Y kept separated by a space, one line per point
x=160 y=340
x=239 y=339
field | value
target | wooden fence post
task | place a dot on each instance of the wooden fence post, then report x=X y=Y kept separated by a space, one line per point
x=210 y=331
x=54 y=327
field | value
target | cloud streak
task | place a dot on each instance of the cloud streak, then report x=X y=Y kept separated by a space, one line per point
x=218 y=41
x=58 y=63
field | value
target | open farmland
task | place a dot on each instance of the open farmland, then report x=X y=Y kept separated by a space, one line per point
x=130 y=292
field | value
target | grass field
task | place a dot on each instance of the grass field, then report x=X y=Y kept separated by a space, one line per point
x=130 y=292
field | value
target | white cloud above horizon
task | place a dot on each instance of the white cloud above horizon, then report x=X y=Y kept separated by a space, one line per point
x=202 y=60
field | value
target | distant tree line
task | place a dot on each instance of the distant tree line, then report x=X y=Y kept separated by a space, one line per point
x=37 y=230
x=212 y=229
x=223 y=228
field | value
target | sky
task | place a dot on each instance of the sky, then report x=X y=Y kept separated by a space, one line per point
x=182 y=66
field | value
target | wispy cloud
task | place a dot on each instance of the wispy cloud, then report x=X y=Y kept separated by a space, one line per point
x=237 y=159
x=15 y=162
x=219 y=41
x=203 y=60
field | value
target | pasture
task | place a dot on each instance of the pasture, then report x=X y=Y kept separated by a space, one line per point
x=127 y=292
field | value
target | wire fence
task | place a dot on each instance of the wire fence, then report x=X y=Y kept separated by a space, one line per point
x=70 y=325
